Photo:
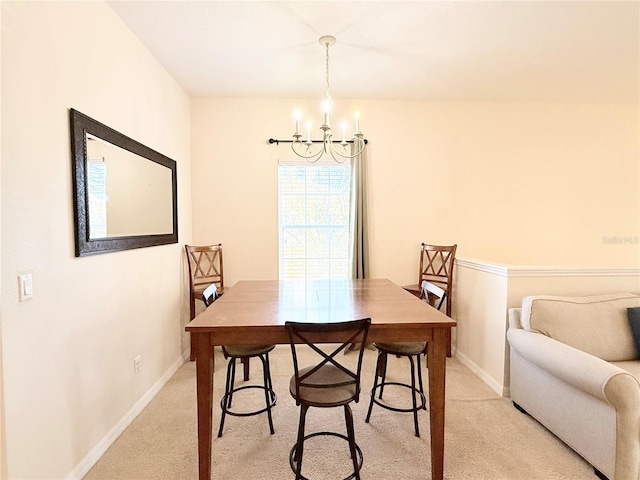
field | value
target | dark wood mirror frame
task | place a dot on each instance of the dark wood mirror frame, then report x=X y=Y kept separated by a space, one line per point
x=81 y=125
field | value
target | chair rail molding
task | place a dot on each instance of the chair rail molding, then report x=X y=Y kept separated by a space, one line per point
x=507 y=270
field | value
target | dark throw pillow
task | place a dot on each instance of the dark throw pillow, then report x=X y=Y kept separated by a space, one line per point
x=634 y=320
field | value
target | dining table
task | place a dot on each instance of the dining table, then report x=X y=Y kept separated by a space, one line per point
x=255 y=311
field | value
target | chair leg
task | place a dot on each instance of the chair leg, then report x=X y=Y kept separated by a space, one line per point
x=192 y=354
x=300 y=442
x=348 y=417
x=266 y=374
x=192 y=315
x=413 y=394
x=192 y=306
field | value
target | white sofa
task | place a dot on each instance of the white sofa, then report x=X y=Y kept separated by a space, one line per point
x=574 y=367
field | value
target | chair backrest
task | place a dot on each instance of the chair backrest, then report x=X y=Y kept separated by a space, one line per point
x=433 y=294
x=205 y=265
x=210 y=294
x=349 y=333
x=436 y=266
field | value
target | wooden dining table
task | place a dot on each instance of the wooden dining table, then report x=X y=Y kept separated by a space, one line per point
x=255 y=312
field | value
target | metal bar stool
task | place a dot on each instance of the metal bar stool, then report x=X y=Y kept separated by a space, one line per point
x=435 y=296
x=327 y=384
x=244 y=353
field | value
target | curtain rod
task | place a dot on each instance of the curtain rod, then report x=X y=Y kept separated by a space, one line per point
x=276 y=141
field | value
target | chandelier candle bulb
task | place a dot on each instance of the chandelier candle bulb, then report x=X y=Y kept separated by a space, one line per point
x=308 y=132
x=357 y=122
x=297 y=117
x=344 y=132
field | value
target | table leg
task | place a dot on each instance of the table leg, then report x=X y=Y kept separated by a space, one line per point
x=204 y=384
x=436 y=360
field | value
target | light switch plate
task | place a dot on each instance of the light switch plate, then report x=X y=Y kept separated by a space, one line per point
x=25 y=287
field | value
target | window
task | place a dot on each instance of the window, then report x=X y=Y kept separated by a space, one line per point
x=97 y=194
x=313 y=219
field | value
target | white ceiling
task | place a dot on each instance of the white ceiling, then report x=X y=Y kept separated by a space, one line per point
x=532 y=51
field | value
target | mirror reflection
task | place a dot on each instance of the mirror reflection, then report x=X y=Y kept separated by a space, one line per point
x=126 y=193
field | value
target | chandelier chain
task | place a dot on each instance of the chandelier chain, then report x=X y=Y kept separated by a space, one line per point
x=326 y=45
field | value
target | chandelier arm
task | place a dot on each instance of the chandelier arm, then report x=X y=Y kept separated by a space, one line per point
x=313 y=158
x=356 y=139
x=361 y=142
x=334 y=153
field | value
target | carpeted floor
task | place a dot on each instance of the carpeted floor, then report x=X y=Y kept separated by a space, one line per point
x=486 y=437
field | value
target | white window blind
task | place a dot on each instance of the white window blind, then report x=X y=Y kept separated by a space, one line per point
x=97 y=194
x=313 y=218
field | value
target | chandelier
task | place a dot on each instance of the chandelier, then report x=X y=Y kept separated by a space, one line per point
x=328 y=146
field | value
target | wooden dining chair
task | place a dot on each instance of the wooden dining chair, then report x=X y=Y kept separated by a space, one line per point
x=436 y=267
x=328 y=383
x=205 y=268
x=243 y=353
x=435 y=296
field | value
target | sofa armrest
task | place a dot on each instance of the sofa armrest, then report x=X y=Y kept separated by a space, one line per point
x=584 y=371
x=514 y=317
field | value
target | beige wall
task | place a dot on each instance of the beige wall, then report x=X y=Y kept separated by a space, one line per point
x=3 y=463
x=68 y=378
x=512 y=183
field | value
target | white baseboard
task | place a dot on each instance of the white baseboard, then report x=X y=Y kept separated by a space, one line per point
x=94 y=455
x=484 y=376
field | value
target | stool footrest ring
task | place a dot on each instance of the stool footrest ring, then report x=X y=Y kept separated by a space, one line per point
x=292 y=454
x=421 y=406
x=223 y=401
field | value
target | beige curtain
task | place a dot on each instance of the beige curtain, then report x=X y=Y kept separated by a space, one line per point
x=359 y=236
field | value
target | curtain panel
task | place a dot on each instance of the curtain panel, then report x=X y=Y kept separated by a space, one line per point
x=358 y=224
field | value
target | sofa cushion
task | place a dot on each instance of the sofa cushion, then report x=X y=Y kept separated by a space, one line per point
x=595 y=324
x=634 y=321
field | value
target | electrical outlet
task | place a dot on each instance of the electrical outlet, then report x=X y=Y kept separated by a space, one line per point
x=136 y=364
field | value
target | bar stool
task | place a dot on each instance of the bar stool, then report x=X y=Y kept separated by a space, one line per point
x=327 y=384
x=435 y=296
x=243 y=353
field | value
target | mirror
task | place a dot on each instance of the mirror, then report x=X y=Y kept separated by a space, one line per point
x=125 y=193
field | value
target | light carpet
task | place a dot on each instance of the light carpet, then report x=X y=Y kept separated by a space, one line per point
x=486 y=438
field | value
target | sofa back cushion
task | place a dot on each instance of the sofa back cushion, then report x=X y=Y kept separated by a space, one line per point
x=595 y=324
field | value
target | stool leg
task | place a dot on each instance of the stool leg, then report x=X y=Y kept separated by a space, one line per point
x=348 y=417
x=424 y=404
x=229 y=392
x=413 y=395
x=375 y=384
x=383 y=370
x=300 y=442
x=266 y=374
x=245 y=364
x=228 y=389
